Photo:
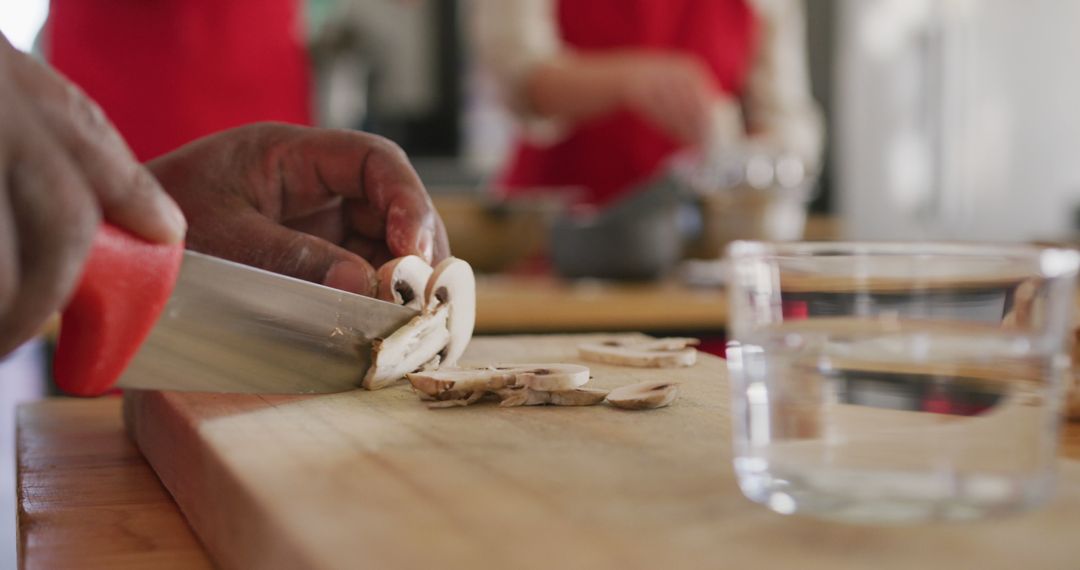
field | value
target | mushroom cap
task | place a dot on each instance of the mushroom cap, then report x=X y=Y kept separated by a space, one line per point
x=403 y=281
x=452 y=283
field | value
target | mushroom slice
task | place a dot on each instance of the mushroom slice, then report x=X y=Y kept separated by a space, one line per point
x=644 y=396
x=547 y=377
x=432 y=364
x=668 y=343
x=453 y=285
x=654 y=353
x=449 y=384
x=407 y=349
x=403 y=281
x=453 y=383
x=460 y=402
x=522 y=396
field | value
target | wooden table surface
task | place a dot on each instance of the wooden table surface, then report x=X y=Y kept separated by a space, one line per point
x=515 y=304
x=87 y=498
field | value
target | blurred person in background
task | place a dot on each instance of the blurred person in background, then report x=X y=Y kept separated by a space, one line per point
x=606 y=91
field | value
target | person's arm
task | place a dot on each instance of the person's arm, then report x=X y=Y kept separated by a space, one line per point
x=63 y=168
x=779 y=108
x=548 y=85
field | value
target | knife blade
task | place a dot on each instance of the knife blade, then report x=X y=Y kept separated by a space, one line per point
x=225 y=327
x=233 y=328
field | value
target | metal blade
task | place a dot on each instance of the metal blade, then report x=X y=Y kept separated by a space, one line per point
x=233 y=328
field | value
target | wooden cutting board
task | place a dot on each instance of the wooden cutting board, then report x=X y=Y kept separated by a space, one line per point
x=377 y=480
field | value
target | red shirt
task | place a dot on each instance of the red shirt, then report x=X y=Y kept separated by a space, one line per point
x=169 y=71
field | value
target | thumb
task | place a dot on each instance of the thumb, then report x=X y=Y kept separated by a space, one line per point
x=261 y=242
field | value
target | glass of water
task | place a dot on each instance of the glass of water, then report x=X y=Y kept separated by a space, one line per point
x=896 y=382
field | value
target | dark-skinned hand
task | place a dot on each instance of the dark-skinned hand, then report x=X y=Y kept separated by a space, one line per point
x=321 y=205
x=63 y=168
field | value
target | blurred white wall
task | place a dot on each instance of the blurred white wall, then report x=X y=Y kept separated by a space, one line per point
x=20 y=21
x=958 y=119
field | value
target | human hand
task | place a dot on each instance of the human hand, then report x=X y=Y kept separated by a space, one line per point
x=62 y=168
x=674 y=91
x=321 y=205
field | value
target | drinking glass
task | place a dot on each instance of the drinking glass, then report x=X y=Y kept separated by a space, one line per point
x=893 y=382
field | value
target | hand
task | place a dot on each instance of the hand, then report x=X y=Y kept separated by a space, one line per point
x=62 y=168
x=320 y=205
x=674 y=91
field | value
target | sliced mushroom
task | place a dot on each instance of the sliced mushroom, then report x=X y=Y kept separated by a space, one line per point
x=449 y=384
x=644 y=396
x=435 y=338
x=403 y=281
x=547 y=377
x=654 y=353
x=468 y=401
x=432 y=364
x=458 y=383
x=407 y=349
x=453 y=285
x=522 y=396
x=668 y=343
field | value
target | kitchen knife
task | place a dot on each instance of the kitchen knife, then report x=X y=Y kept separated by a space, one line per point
x=157 y=317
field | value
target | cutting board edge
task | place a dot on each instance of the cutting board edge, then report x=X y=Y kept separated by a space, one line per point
x=212 y=524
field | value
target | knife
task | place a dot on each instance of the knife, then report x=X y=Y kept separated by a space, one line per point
x=154 y=316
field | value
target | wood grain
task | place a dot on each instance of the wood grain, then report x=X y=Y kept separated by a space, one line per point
x=377 y=480
x=509 y=304
x=87 y=498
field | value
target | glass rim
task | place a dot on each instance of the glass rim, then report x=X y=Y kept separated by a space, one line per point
x=1053 y=261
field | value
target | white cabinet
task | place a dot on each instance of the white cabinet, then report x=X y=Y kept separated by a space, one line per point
x=958 y=119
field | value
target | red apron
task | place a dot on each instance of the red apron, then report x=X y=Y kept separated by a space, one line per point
x=608 y=155
x=170 y=71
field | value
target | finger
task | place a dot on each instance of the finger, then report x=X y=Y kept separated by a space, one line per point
x=660 y=103
x=671 y=111
x=365 y=220
x=373 y=250
x=684 y=101
x=9 y=254
x=290 y=252
x=328 y=224
x=702 y=99
x=129 y=196
x=56 y=217
x=358 y=165
x=442 y=243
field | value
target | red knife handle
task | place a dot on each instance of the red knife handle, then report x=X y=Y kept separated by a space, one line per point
x=123 y=289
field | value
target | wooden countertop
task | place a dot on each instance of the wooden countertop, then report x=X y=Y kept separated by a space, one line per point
x=506 y=304
x=87 y=499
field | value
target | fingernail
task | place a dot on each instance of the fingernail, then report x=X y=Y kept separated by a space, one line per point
x=350 y=276
x=174 y=219
x=425 y=244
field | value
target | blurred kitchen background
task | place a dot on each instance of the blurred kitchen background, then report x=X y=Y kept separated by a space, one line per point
x=946 y=119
